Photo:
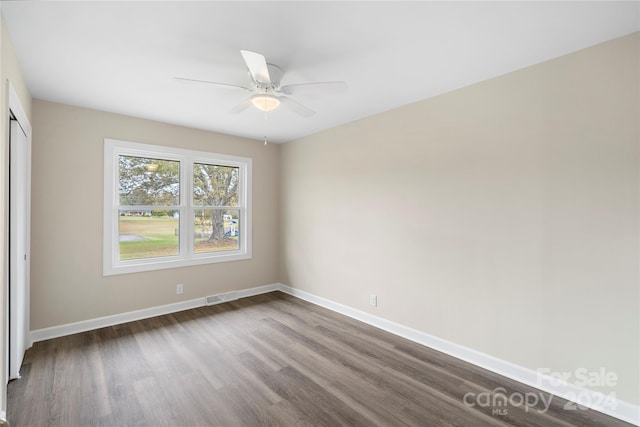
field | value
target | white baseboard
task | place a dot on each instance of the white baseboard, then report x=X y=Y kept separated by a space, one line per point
x=257 y=291
x=116 y=319
x=619 y=409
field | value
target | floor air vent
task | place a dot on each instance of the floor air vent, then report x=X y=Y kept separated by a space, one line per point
x=217 y=299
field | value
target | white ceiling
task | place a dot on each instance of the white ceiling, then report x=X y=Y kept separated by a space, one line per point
x=122 y=56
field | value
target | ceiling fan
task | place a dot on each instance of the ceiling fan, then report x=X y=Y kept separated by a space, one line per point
x=267 y=92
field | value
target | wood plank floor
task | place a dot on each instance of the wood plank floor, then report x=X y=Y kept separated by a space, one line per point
x=268 y=360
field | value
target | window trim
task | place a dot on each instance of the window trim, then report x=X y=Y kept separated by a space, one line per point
x=112 y=265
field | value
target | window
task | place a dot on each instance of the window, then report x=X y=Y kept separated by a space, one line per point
x=167 y=207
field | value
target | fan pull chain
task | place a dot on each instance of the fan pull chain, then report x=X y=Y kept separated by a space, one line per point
x=266 y=128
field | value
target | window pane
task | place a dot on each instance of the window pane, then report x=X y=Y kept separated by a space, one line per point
x=215 y=185
x=146 y=181
x=148 y=234
x=216 y=230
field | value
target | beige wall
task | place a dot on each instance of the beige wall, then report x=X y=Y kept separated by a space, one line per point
x=9 y=71
x=502 y=217
x=67 y=208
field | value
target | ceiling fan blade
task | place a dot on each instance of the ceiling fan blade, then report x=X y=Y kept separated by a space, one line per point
x=296 y=107
x=257 y=65
x=241 y=107
x=320 y=87
x=212 y=83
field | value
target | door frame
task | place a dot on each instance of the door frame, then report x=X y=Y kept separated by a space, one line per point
x=16 y=109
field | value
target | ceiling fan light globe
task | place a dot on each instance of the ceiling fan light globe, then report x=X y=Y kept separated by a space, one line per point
x=265 y=102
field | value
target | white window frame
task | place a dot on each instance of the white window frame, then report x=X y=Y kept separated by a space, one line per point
x=112 y=264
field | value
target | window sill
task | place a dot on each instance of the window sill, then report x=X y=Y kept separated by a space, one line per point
x=137 y=266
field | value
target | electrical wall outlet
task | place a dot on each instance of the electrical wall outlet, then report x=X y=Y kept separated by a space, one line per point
x=179 y=288
x=373 y=300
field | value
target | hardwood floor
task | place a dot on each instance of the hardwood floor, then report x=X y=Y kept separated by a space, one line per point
x=266 y=360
